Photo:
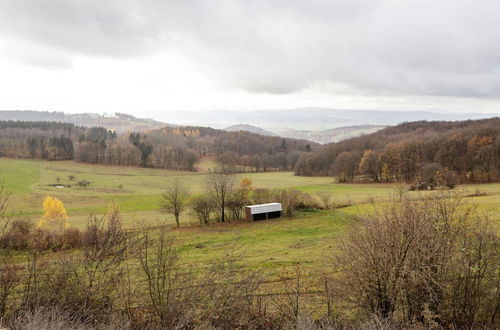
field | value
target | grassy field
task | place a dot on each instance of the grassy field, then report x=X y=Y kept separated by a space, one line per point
x=269 y=245
x=138 y=190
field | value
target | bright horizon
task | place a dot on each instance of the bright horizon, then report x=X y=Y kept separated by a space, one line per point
x=152 y=58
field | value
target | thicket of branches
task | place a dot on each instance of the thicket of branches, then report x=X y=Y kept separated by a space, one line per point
x=433 y=260
x=429 y=262
x=426 y=154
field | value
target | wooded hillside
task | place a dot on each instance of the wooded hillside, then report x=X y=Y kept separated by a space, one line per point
x=119 y=122
x=168 y=147
x=425 y=153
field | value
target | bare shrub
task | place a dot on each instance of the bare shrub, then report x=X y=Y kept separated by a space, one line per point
x=427 y=260
x=9 y=278
x=235 y=205
x=52 y=318
x=203 y=207
x=447 y=178
x=290 y=200
x=83 y=284
x=262 y=196
x=175 y=200
x=473 y=283
x=20 y=234
x=5 y=219
x=290 y=302
x=326 y=198
x=71 y=238
x=226 y=296
x=45 y=319
x=105 y=250
x=83 y=183
x=41 y=239
x=169 y=289
x=221 y=296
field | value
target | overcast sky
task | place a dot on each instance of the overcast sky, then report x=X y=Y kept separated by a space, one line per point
x=148 y=57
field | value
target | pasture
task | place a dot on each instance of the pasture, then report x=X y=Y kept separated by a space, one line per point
x=138 y=190
x=268 y=246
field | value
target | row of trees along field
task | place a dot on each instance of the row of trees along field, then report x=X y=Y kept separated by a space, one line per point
x=224 y=198
x=423 y=153
x=169 y=147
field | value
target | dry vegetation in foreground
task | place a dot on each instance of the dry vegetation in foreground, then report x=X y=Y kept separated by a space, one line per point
x=426 y=263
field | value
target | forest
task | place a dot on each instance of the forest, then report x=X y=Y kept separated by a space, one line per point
x=176 y=148
x=424 y=154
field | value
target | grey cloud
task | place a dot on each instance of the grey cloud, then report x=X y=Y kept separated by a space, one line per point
x=90 y=27
x=388 y=47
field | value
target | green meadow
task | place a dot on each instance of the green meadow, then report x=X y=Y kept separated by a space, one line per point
x=309 y=238
x=138 y=190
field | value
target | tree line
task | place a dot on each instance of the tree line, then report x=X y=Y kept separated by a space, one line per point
x=423 y=153
x=169 y=147
x=225 y=197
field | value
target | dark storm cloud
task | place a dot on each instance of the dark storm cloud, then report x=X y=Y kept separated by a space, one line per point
x=388 y=47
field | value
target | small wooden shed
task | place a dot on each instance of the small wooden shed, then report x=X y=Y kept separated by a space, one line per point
x=263 y=211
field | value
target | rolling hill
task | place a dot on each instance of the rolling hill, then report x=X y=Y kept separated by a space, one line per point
x=332 y=135
x=466 y=151
x=119 y=122
x=249 y=128
x=313 y=118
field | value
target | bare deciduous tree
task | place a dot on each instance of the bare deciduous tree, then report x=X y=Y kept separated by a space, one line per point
x=220 y=185
x=175 y=200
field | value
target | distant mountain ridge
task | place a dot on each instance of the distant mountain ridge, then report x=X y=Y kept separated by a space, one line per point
x=321 y=125
x=322 y=137
x=119 y=122
x=249 y=128
x=313 y=119
x=332 y=135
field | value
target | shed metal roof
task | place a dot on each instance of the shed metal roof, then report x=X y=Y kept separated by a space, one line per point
x=264 y=208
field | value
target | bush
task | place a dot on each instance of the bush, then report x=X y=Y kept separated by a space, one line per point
x=72 y=238
x=447 y=178
x=431 y=260
x=291 y=200
x=20 y=234
x=263 y=196
x=235 y=205
x=43 y=240
x=85 y=284
x=83 y=183
x=326 y=199
x=9 y=278
x=203 y=208
x=44 y=319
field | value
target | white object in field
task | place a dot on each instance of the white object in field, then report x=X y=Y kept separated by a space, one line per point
x=265 y=208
